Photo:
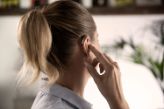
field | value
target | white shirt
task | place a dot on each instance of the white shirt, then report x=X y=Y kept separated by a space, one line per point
x=59 y=97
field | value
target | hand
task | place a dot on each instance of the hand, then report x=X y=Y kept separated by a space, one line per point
x=109 y=82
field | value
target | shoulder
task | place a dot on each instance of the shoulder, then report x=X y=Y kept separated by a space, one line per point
x=47 y=101
x=59 y=97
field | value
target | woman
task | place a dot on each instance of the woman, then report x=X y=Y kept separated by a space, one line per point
x=61 y=41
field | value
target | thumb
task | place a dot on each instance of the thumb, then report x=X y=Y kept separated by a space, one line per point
x=92 y=72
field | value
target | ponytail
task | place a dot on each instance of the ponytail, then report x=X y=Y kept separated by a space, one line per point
x=35 y=39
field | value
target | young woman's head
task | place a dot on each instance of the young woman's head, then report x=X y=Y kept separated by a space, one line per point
x=49 y=37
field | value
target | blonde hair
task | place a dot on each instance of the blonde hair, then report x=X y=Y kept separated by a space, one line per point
x=47 y=38
x=35 y=39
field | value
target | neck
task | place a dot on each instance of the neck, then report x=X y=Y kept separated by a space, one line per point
x=75 y=79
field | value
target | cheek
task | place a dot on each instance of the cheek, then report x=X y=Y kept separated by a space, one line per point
x=97 y=45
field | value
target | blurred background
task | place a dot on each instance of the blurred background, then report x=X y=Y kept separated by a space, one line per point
x=130 y=31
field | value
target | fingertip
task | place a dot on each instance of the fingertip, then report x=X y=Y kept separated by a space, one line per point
x=90 y=46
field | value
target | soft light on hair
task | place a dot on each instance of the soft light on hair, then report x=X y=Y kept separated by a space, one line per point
x=48 y=37
x=35 y=40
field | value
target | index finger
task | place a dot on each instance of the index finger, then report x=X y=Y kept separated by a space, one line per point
x=98 y=55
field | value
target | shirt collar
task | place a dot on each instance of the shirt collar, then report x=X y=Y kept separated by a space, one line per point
x=69 y=96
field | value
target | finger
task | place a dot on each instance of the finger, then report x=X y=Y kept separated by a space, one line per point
x=116 y=64
x=111 y=61
x=98 y=55
x=92 y=71
x=94 y=62
x=101 y=68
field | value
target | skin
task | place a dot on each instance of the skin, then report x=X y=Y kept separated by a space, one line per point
x=87 y=55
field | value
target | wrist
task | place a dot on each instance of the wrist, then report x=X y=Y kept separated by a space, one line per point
x=118 y=105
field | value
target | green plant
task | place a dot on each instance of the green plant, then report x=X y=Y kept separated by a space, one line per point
x=141 y=57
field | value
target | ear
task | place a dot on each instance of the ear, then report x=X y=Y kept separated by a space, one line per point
x=85 y=41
